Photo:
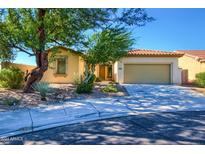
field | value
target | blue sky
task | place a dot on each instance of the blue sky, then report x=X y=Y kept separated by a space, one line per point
x=174 y=29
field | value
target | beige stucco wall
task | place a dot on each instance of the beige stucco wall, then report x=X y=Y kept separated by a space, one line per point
x=192 y=66
x=115 y=71
x=175 y=71
x=97 y=69
x=81 y=66
x=74 y=68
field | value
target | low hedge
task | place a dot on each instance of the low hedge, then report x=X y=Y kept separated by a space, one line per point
x=200 y=79
x=110 y=89
x=84 y=88
x=11 y=77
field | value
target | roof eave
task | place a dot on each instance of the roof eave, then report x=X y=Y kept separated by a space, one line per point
x=202 y=60
x=65 y=48
x=143 y=55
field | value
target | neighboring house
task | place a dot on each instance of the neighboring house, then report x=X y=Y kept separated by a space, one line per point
x=192 y=62
x=139 y=66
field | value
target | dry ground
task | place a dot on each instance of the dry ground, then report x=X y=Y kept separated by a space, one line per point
x=59 y=92
x=196 y=88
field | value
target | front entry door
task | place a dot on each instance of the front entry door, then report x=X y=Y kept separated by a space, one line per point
x=102 y=72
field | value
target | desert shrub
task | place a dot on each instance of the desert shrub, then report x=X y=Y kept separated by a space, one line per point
x=84 y=88
x=11 y=77
x=109 y=88
x=98 y=79
x=200 y=79
x=92 y=79
x=11 y=101
x=43 y=88
x=86 y=84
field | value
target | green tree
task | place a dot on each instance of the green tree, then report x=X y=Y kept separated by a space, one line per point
x=33 y=31
x=106 y=47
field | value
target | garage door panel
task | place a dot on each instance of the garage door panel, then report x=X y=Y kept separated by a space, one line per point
x=147 y=73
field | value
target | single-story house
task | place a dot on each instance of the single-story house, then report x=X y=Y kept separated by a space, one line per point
x=192 y=62
x=139 y=66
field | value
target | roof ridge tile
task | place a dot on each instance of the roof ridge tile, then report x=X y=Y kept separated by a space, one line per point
x=149 y=52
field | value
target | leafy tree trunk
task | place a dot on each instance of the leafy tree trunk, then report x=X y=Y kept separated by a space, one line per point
x=37 y=73
x=41 y=56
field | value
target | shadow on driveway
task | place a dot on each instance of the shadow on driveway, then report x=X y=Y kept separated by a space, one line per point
x=163 y=98
x=156 y=128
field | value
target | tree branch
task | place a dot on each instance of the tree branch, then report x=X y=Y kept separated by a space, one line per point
x=23 y=50
x=55 y=41
x=53 y=30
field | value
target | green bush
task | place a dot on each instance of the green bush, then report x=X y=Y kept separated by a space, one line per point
x=109 y=88
x=11 y=77
x=43 y=88
x=200 y=79
x=98 y=79
x=92 y=79
x=84 y=88
x=11 y=101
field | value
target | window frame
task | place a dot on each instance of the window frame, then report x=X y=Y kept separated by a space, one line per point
x=66 y=65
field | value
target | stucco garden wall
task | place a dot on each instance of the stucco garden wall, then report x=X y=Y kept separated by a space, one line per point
x=23 y=67
x=192 y=66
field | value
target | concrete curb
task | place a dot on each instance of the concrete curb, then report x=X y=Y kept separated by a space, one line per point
x=61 y=123
x=77 y=110
x=50 y=116
x=15 y=122
x=80 y=119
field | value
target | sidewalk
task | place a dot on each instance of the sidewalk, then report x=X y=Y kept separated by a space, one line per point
x=149 y=99
x=49 y=116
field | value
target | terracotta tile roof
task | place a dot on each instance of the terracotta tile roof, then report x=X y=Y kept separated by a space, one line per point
x=200 y=54
x=154 y=53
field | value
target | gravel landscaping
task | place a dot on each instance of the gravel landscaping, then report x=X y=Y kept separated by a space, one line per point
x=59 y=93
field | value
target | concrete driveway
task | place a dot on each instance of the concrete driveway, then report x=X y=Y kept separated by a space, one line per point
x=160 y=98
x=142 y=99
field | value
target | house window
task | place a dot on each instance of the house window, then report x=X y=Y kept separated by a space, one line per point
x=61 y=65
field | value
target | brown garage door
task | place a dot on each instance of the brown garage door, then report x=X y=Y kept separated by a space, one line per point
x=147 y=73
